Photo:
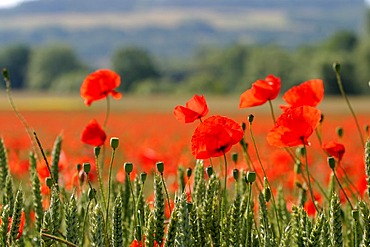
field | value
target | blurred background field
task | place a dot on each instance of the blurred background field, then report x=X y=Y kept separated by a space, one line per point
x=185 y=47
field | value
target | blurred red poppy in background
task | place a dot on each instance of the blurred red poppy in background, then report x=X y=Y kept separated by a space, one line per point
x=99 y=85
x=215 y=136
x=93 y=134
x=261 y=92
x=195 y=108
x=294 y=126
x=309 y=93
x=334 y=149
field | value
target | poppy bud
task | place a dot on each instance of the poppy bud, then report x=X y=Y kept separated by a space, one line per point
x=250 y=177
x=336 y=67
x=91 y=193
x=6 y=74
x=209 y=171
x=87 y=167
x=160 y=166
x=355 y=214
x=234 y=157
x=49 y=182
x=189 y=172
x=299 y=185
x=339 y=131
x=189 y=206
x=143 y=177
x=322 y=118
x=114 y=141
x=250 y=118
x=301 y=151
x=81 y=176
x=97 y=151
x=78 y=167
x=236 y=174
x=331 y=162
x=128 y=166
x=298 y=167
x=367 y=129
x=267 y=190
x=244 y=126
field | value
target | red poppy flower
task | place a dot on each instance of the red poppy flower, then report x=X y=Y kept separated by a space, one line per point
x=99 y=85
x=309 y=93
x=136 y=243
x=261 y=92
x=195 y=108
x=93 y=134
x=215 y=136
x=294 y=126
x=334 y=149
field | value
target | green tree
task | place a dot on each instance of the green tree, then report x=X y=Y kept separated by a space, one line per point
x=134 y=65
x=342 y=41
x=15 y=59
x=50 y=62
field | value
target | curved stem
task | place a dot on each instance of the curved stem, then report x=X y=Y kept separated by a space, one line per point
x=107 y=113
x=340 y=185
x=165 y=189
x=109 y=188
x=309 y=178
x=100 y=180
x=340 y=85
x=265 y=175
x=272 y=111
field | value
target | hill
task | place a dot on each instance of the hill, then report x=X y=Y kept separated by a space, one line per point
x=175 y=28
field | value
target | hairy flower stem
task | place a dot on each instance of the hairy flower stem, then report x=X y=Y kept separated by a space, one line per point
x=167 y=195
x=336 y=67
x=109 y=187
x=100 y=180
x=309 y=178
x=340 y=185
x=272 y=111
x=44 y=156
x=133 y=198
x=107 y=113
x=266 y=179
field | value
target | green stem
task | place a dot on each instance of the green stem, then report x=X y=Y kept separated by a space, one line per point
x=63 y=241
x=100 y=180
x=44 y=156
x=165 y=189
x=272 y=111
x=340 y=185
x=107 y=113
x=309 y=178
x=133 y=198
x=109 y=188
x=265 y=175
x=340 y=85
x=84 y=226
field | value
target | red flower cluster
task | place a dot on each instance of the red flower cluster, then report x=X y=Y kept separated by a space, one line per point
x=195 y=108
x=261 y=92
x=294 y=127
x=215 y=136
x=99 y=85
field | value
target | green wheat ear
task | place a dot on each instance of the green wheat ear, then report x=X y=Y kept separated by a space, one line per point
x=4 y=169
x=149 y=231
x=335 y=221
x=72 y=221
x=365 y=215
x=97 y=227
x=117 y=231
x=54 y=209
x=4 y=224
x=183 y=232
x=367 y=165
x=36 y=193
x=296 y=231
x=8 y=197
x=158 y=209
x=235 y=221
x=55 y=155
x=199 y=186
x=314 y=237
x=16 y=218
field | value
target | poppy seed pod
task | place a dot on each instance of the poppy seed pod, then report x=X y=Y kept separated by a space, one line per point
x=336 y=67
x=78 y=167
x=209 y=171
x=114 y=141
x=234 y=157
x=143 y=177
x=87 y=167
x=91 y=193
x=331 y=162
x=250 y=118
x=250 y=177
x=97 y=151
x=236 y=174
x=49 y=182
x=339 y=131
x=128 y=166
x=189 y=172
x=356 y=214
x=160 y=166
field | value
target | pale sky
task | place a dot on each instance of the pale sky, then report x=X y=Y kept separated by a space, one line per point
x=10 y=3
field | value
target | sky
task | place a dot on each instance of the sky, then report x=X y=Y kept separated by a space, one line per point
x=10 y=3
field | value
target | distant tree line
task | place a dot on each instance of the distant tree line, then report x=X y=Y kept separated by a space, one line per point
x=218 y=70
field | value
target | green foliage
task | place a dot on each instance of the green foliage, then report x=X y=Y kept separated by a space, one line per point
x=134 y=65
x=71 y=221
x=50 y=62
x=55 y=154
